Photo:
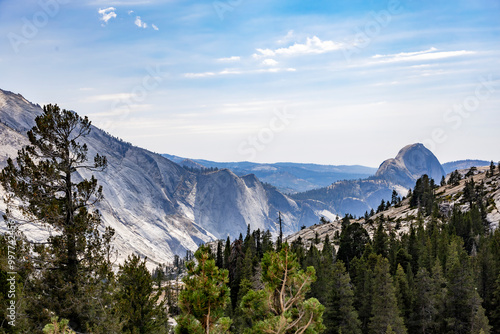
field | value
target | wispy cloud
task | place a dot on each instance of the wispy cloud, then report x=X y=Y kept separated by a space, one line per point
x=430 y=54
x=313 y=45
x=229 y=59
x=236 y=71
x=155 y=27
x=138 y=22
x=107 y=14
x=289 y=36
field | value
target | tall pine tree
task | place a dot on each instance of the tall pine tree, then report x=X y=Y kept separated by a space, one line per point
x=385 y=311
x=204 y=298
x=340 y=315
x=42 y=185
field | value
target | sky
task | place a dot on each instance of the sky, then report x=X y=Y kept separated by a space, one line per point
x=329 y=82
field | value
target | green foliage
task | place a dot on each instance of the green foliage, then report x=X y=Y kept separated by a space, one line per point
x=281 y=307
x=352 y=242
x=463 y=304
x=340 y=314
x=381 y=241
x=204 y=298
x=385 y=311
x=40 y=184
x=58 y=327
x=423 y=194
x=137 y=304
x=455 y=178
x=404 y=293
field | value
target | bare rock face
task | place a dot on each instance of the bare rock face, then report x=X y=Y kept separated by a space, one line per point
x=412 y=162
x=158 y=208
x=399 y=173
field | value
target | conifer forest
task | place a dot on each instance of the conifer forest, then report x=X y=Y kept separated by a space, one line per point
x=438 y=271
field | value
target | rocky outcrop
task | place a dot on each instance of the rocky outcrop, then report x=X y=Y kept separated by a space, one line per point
x=411 y=163
x=158 y=208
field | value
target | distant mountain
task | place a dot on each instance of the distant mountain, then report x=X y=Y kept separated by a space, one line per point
x=411 y=162
x=464 y=164
x=286 y=176
x=400 y=217
x=358 y=196
x=157 y=207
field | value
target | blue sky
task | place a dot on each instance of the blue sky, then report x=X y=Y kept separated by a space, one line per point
x=333 y=82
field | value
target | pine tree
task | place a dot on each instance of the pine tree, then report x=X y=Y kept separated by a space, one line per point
x=394 y=197
x=281 y=306
x=204 y=298
x=219 y=257
x=380 y=240
x=495 y=313
x=138 y=304
x=385 y=311
x=425 y=311
x=227 y=253
x=455 y=178
x=267 y=242
x=352 y=242
x=279 y=242
x=464 y=312
x=362 y=276
x=42 y=179
x=404 y=295
x=340 y=314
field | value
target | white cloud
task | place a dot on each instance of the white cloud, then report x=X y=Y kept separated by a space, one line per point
x=130 y=12
x=288 y=37
x=429 y=54
x=107 y=14
x=235 y=72
x=269 y=62
x=313 y=45
x=406 y=54
x=138 y=22
x=264 y=53
x=154 y=27
x=199 y=75
x=229 y=59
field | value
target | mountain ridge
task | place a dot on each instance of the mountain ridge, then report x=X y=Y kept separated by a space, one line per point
x=400 y=217
x=157 y=207
x=288 y=177
x=400 y=173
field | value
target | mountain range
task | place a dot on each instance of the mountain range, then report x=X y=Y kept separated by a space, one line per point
x=399 y=217
x=399 y=173
x=288 y=177
x=159 y=208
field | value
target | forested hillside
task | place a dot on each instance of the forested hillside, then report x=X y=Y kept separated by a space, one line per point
x=425 y=263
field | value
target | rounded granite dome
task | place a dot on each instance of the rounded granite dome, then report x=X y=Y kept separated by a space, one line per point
x=412 y=162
